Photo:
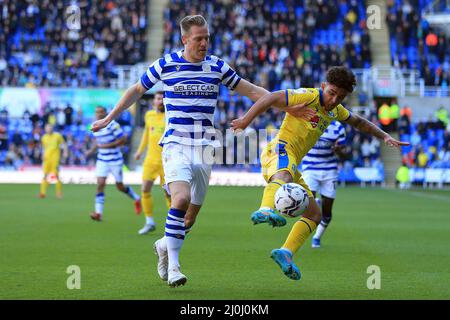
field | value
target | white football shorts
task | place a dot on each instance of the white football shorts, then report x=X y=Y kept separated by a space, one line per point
x=102 y=169
x=321 y=181
x=191 y=164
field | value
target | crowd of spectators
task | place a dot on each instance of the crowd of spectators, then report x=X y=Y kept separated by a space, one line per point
x=20 y=139
x=69 y=43
x=430 y=141
x=415 y=44
x=277 y=45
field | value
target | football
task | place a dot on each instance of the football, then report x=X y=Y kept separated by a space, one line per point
x=291 y=200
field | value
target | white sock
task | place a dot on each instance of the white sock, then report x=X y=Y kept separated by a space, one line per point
x=173 y=250
x=320 y=230
x=163 y=243
x=99 y=202
x=149 y=220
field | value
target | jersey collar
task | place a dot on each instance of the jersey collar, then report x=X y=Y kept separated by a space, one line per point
x=181 y=55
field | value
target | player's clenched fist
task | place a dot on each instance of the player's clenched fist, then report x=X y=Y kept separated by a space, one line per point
x=239 y=124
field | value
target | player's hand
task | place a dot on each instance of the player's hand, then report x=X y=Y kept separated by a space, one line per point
x=137 y=156
x=391 y=142
x=99 y=124
x=239 y=124
x=301 y=111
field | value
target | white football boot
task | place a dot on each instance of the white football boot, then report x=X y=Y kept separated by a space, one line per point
x=147 y=228
x=176 y=278
x=163 y=259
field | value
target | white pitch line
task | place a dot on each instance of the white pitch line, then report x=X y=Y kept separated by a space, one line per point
x=424 y=195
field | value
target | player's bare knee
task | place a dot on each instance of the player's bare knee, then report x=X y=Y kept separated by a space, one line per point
x=284 y=176
x=180 y=201
x=100 y=187
x=313 y=211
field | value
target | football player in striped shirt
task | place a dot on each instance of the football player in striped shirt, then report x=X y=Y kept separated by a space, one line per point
x=109 y=160
x=282 y=156
x=320 y=171
x=191 y=79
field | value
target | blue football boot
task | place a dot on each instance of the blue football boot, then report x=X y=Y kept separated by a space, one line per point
x=284 y=259
x=267 y=215
x=315 y=243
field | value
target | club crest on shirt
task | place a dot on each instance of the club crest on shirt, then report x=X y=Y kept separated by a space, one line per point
x=331 y=114
x=314 y=121
x=177 y=67
x=206 y=68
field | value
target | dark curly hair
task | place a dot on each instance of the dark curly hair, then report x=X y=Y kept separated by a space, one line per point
x=341 y=77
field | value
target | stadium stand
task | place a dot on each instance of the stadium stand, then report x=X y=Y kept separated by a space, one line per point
x=38 y=49
x=415 y=44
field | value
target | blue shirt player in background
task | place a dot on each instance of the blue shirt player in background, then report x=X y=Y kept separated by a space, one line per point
x=109 y=160
x=320 y=172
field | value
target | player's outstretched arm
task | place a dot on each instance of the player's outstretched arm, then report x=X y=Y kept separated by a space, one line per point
x=250 y=90
x=277 y=99
x=254 y=93
x=130 y=96
x=366 y=126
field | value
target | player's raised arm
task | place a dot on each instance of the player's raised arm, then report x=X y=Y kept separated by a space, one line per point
x=250 y=90
x=277 y=99
x=254 y=93
x=366 y=126
x=262 y=105
x=131 y=95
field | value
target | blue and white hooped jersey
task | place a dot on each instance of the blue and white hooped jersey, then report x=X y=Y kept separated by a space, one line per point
x=110 y=133
x=321 y=157
x=190 y=96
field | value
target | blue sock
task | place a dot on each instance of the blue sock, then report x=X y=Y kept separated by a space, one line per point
x=174 y=235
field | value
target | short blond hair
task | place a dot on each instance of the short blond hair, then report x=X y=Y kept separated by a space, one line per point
x=187 y=22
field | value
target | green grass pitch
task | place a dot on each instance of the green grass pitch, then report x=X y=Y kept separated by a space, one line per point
x=405 y=233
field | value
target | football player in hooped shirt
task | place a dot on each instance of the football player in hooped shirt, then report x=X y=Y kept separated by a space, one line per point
x=191 y=80
x=296 y=137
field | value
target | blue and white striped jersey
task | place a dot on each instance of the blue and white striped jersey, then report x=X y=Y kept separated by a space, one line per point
x=321 y=156
x=110 y=133
x=190 y=96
